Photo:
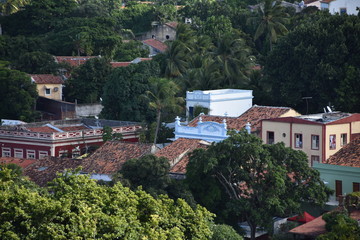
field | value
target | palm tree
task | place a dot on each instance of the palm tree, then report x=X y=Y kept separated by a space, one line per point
x=175 y=59
x=233 y=59
x=11 y=6
x=161 y=96
x=271 y=19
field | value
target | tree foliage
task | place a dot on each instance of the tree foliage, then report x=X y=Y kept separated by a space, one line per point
x=122 y=91
x=260 y=180
x=87 y=82
x=18 y=95
x=76 y=207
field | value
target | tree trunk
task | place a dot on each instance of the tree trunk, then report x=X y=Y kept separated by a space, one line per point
x=157 y=125
x=252 y=229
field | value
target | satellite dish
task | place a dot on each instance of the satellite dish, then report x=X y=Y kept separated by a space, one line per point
x=96 y=117
x=56 y=89
x=328 y=108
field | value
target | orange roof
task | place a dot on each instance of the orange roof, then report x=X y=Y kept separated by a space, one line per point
x=313 y=228
x=178 y=153
x=155 y=44
x=172 y=24
x=254 y=116
x=348 y=155
x=73 y=60
x=22 y=162
x=43 y=129
x=120 y=64
x=46 y=79
x=110 y=157
x=45 y=170
x=73 y=128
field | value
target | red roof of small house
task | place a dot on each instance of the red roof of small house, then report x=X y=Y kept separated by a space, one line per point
x=110 y=157
x=348 y=155
x=73 y=60
x=303 y=218
x=313 y=228
x=155 y=44
x=178 y=153
x=120 y=64
x=21 y=162
x=47 y=79
x=254 y=116
x=172 y=24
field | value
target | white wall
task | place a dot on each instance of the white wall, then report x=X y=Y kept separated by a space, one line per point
x=350 y=5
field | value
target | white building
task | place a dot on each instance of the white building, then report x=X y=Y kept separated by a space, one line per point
x=223 y=102
x=336 y=6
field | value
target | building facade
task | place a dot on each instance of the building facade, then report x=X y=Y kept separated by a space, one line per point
x=222 y=102
x=318 y=135
x=60 y=138
x=48 y=85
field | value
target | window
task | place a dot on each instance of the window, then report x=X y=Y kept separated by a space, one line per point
x=6 y=152
x=30 y=154
x=47 y=91
x=76 y=152
x=332 y=141
x=356 y=187
x=191 y=112
x=63 y=153
x=270 y=137
x=298 y=140
x=315 y=142
x=18 y=153
x=338 y=188
x=314 y=158
x=342 y=11
x=43 y=154
x=343 y=139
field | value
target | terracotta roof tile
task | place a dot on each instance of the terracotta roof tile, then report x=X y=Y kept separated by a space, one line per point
x=42 y=129
x=73 y=128
x=348 y=155
x=254 y=116
x=22 y=162
x=73 y=60
x=47 y=79
x=109 y=158
x=178 y=153
x=44 y=170
x=313 y=228
x=120 y=64
x=155 y=44
x=172 y=24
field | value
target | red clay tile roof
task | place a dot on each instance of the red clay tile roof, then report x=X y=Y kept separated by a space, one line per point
x=73 y=60
x=120 y=64
x=155 y=44
x=254 y=116
x=44 y=170
x=73 y=128
x=109 y=158
x=313 y=228
x=43 y=129
x=22 y=162
x=178 y=153
x=172 y=24
x=348 y=155
x=47 y=79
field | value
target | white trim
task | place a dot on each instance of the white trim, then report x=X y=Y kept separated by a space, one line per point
x=30 y=151
x=5 y=150
x=17 y=151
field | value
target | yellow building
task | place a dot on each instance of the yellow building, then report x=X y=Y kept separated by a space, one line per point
x=48 y=85
x=318 y=135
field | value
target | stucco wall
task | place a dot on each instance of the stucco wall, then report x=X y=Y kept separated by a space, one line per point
x=350 y=5
x=54 y=94
x=336 y=130
x=329 y=173
x=281 y=131
x=88 y=110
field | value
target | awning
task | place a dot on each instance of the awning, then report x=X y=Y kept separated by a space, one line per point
x=303 y=218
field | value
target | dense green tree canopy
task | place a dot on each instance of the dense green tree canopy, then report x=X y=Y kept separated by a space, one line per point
x=123 y=90
x=261 y=181
x=87 y=81
x=18 y=95
x=76 y=207
x=319 y=59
